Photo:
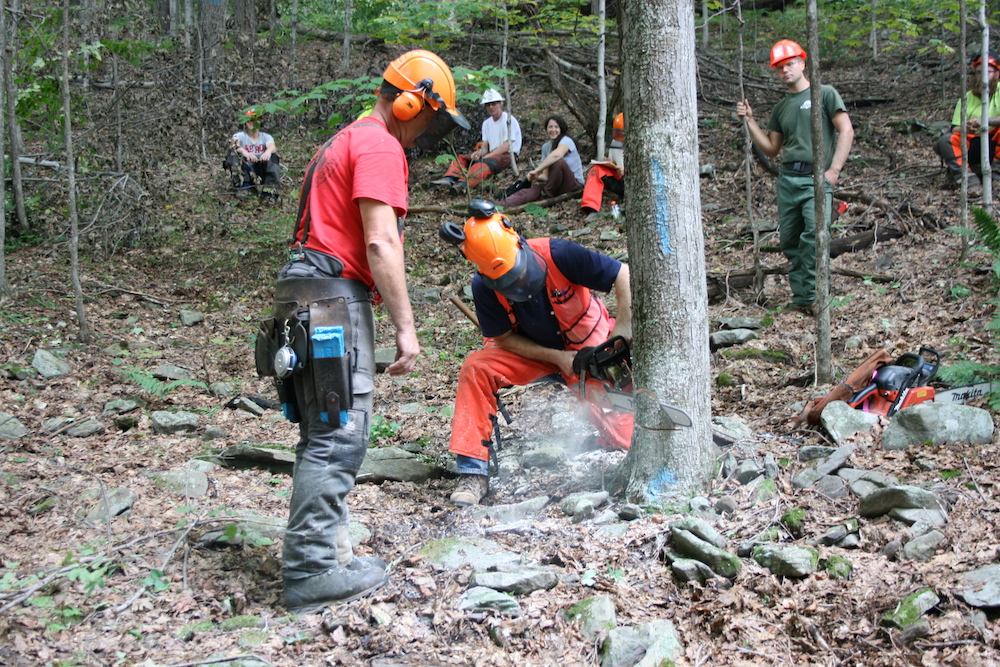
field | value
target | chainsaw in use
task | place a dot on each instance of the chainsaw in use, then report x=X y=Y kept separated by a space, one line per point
x=606 y=379
x=899 y=385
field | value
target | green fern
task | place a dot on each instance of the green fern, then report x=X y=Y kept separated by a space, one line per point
x=987 y=230
x=966 y=372
x=154 y=387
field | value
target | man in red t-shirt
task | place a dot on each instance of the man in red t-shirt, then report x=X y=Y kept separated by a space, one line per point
x=347 y=246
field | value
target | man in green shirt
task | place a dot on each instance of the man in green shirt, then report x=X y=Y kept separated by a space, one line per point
x=949 y=146
x=789 y=128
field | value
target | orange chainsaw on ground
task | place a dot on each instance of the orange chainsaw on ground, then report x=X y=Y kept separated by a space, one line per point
x=900 y=384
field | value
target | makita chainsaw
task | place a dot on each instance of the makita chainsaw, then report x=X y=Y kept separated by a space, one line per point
x=900 y=384
x=606 y=373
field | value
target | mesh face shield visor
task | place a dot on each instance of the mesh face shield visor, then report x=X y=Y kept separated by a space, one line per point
x=442 y=123
x=523 y=281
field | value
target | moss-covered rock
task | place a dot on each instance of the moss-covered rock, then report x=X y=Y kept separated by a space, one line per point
x=239 y=622
x=838 y=567
x=793 y=520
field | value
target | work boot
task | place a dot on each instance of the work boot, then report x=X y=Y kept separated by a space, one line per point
x=975 y=188
x=470 y=490
x=446 y=181
x=337 y=585
x=346 y=557
x=243 y=193
x=459 y=188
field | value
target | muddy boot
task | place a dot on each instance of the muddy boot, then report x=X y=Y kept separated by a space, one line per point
x=975 y=188
x=335 y=586
x=470 y=490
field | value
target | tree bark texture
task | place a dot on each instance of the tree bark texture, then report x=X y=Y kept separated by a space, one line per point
x=665 y=243
x=9 y=59
x=5 y=289
x=211 y=24
x=245 y=26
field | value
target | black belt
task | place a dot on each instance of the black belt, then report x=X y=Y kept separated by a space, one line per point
x=304 y=290
x=798 y=167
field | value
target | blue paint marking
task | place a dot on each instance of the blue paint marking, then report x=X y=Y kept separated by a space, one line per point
x=662 y=485
x=662 y=210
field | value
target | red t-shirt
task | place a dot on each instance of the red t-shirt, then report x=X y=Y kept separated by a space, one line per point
x=362 y=160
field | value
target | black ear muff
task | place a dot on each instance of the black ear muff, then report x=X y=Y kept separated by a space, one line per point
x=407 y=105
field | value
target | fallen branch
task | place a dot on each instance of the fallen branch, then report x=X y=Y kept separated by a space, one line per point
x=545 y=203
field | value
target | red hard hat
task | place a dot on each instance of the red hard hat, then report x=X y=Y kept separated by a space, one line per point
x=785 y=50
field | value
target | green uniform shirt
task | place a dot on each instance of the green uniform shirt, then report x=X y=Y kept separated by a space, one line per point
x=975 y=108
x=791 y=118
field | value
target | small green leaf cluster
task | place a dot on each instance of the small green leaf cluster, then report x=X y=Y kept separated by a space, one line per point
x=157 y=388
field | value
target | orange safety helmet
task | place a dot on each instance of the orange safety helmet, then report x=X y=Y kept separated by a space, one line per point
x=422 y=77
x=991 y=58
x=784 y=50
x=619 y=123
x=505 y=261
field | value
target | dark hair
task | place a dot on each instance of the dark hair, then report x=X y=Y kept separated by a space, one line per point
x=563 y=130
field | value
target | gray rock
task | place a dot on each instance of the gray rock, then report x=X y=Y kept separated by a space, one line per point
x=480 y=601
x=911 y=609
x=734 y=427
x=891 y=549
x=222 y=389
x=116 y=349
x=610 y=235
x=511 y=513
x=17 y=371
x=245 y=404
x=11 y=428
x=688 y=569
x=572 y=501
x=651 y=645
x=813 y=452
x=914 y=516
x=48 y=365
x=109 y=505
x=786 y=560
x=412 y=409
x=701 y=529
x=201 y=465
x=630 y=512
x=189 y=483
x=121 y=406
x=871 y=481
x=850 y=475
x=842 y=421
x=451 y=553
x=422 y=295
x=835 y=461
x=56 y=424
x=214 y=433
x=518 y=581
x=838 y=567
x=805 y=478
x=543 y=457
x=239 y=456
x=728 y=467
x=920 y=527
x=384 y=357
x=747 y=471
x=721 y=561
x=741 y=323
x=596 y=615
x=700 y=504
x=852 y=541
x=171 y=372
x=982 y=587
x=168 y=423
x=607 y=516
x=614 y=531
x=584 y=511
x=731 y=337
x=831 y=536
x=938 y=423
x=831 y=486
x=771 y=469
x=85 y=428
x=746 y=547
x=398 y=465
x=881 y=501
x=923 y=547
x=189 y=318
x=726 y=505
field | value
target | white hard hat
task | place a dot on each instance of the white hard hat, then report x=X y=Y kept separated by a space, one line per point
x=492 y=95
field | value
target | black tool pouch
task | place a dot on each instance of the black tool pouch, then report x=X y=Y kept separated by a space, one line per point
x=332 y=358
x=265 y=348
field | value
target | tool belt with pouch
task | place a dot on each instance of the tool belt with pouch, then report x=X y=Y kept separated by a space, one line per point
x=310 y=324
x=798 y=168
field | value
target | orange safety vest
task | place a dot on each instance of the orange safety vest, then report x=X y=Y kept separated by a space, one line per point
x=584 y=320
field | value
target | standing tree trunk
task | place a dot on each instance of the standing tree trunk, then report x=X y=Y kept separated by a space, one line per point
x=964 y=191
x=506 y=88
x=346 y=48
x=9 y=58
x=74 y=218
x=5 y=288
x=665 y=243
x=984 y=122
x=758 y=273
x=291 y=47
x=602 y=85
x=245 y=26
x=211 y=24
x=824 y=365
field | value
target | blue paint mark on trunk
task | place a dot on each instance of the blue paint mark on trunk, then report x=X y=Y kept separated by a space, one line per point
x=662 y=208
x=663 y=485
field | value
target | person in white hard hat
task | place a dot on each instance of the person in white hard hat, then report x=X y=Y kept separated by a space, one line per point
x=493 y=153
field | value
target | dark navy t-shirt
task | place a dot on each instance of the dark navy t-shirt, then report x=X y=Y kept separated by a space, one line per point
x=535 y=318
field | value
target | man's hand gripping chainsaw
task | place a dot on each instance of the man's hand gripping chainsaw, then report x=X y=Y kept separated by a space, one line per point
x=606 y=379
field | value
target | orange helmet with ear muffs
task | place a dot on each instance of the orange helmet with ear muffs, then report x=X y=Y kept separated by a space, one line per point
x=422 y=78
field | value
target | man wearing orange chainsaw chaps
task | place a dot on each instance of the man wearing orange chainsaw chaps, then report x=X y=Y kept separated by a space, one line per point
x=949 y=146
x=535 y=307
